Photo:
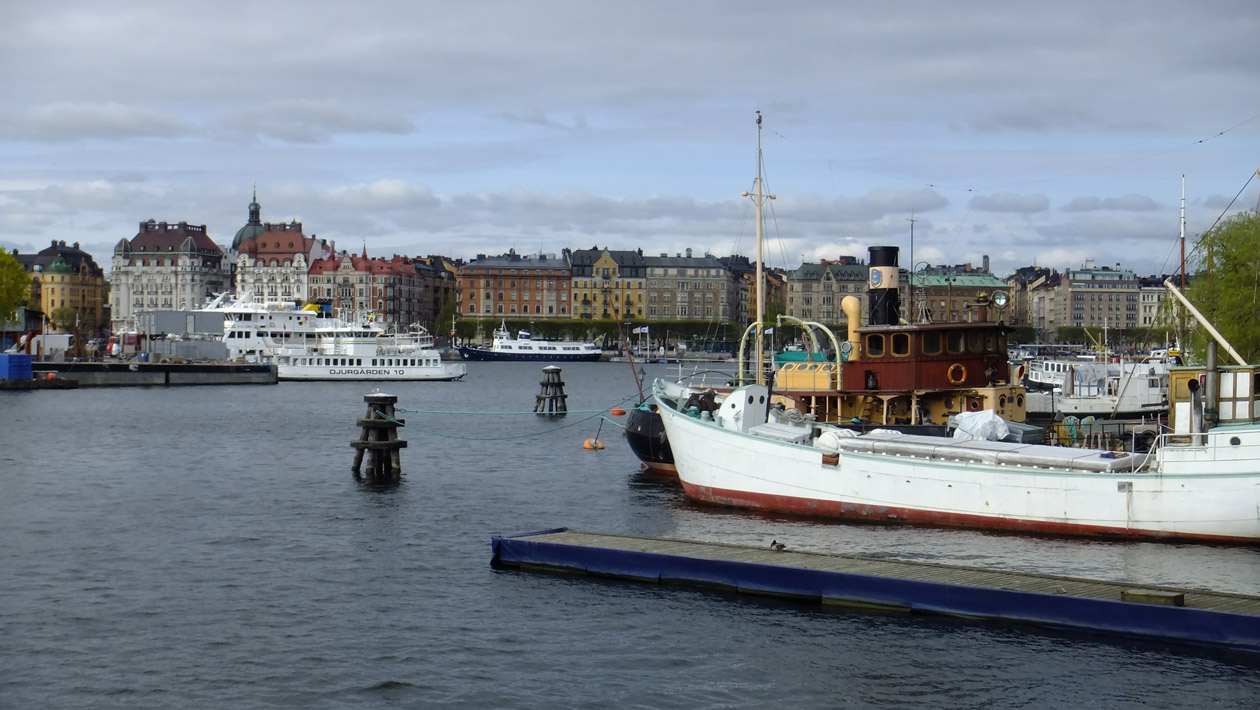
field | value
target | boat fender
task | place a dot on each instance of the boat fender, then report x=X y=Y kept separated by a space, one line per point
x=956 y=374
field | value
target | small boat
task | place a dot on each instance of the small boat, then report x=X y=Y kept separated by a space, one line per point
x=1119 y=390
x=524 y=348
x=1199 y=482
x=311 y=343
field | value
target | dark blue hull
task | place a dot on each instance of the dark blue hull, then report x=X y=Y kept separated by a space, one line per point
x=469 y=353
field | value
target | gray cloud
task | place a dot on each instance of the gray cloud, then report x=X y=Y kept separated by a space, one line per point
x=1127 y=203
x=1010 y=202
x=77 y=120
x=311 y=121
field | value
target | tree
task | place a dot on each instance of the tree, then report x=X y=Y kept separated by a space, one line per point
x=1226 y=283
x=64 y=318
x=445 y=319
x=15 y=287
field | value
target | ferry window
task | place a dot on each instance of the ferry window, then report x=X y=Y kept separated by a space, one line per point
x=975 y=341
x=875 y=346
x=990 y=343
x=932 y=343
x=954 y=342
x=901 y=344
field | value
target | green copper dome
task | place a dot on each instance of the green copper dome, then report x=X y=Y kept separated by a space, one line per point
x=253 y=227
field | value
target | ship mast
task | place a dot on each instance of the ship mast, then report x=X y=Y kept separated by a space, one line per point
x=758 y=199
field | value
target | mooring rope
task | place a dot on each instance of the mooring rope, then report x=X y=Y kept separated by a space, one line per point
x=595 y=414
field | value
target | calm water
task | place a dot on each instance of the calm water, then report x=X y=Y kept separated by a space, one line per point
x=208 y=547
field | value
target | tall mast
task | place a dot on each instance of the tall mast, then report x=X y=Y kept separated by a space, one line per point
x=758 y=197
x=1181 y=321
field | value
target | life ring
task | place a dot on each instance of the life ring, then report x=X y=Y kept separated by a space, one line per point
x=956 y=374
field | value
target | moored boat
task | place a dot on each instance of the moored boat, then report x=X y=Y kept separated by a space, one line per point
x=523 y=348
x=1200 y=482
x=311 y=343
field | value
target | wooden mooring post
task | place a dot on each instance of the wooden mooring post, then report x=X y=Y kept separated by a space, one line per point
x=552 y=399
x=379 y=439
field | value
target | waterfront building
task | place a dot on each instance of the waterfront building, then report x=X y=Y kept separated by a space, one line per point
x=955 y=297
x=398 y=292
x=608 y=283
x=511 y=284
x=67 y=277
x=164 y=267
x=273 y=260
x=1021 y=287
x=1102 y=297
x=814 y=291
x=690 y=288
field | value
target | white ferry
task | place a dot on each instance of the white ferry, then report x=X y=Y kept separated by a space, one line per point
x=524 y=348
x=310 y=343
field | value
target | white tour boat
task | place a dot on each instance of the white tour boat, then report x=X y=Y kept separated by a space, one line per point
x=310 y=343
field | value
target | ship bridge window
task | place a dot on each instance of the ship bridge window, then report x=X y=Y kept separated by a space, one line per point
x=954 y=342
x=975 y=342
x=932 y=343
x=875 y=345
x=901 y=344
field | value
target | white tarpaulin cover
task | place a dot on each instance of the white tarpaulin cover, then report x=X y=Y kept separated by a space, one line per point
x=985 y=424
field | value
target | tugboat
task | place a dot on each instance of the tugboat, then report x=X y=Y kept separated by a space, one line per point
x=912 y=377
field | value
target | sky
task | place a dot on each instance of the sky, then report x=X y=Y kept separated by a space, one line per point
x=1033 y=133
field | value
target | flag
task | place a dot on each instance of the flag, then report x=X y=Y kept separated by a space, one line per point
x=769 y=331
x=645 y=329
x=636 y=331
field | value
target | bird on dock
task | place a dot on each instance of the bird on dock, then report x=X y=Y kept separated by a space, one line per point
x=777 y=546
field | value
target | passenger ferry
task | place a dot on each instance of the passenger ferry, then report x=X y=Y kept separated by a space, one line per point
x=310 y=343
x=524 y=348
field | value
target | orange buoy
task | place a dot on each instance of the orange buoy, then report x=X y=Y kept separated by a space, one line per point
x=592 y=444
x=617 y=411
x=50 y=376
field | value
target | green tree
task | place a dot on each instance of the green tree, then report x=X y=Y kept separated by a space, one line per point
x=64 y=318
x=15 y=286
x=445 y=319
x=1226 y=283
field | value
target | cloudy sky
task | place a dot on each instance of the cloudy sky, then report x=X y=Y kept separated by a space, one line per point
x=1032 y=132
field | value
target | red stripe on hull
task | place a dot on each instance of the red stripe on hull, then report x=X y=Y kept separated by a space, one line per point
x=814 y=507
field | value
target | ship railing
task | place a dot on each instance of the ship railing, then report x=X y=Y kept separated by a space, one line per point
x=1215 y=445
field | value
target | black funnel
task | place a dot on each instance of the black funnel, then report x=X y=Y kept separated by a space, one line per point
x=882 y=286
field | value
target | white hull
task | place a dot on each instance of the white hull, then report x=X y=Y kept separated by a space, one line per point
x=443 y=371
x=1209 y=491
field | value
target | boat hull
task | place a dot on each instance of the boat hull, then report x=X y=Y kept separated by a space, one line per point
x=646 y=436
x=441 y=373
x=484 y=354
x=732 y=468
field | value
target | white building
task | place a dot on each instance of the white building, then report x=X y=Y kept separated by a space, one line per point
x=164 y=267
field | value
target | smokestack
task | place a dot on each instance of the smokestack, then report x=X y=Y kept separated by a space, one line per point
x=882 y=285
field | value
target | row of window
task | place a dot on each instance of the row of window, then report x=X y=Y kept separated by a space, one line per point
x=955 y=342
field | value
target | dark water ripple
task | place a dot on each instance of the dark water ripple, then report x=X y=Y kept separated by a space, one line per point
x=207 y=547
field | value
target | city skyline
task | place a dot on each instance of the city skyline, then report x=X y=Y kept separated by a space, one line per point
x=1036 y=135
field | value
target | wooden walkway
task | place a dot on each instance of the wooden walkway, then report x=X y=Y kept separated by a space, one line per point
x=1181 y=615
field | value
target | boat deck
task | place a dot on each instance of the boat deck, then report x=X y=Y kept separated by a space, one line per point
x=1163 y=613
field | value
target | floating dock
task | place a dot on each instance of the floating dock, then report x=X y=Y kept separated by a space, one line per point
x=1160 y=613
x=150 y=374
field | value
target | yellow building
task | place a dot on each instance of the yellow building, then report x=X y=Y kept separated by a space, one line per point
x=608 y=283
x=67 y=277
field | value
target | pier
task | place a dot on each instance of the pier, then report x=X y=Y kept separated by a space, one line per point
x=1143 y=611
x=149 y=374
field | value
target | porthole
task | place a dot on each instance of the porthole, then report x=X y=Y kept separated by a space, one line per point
x=1234 y=441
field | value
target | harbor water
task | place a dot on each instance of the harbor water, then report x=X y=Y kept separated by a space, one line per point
x=209 y=547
